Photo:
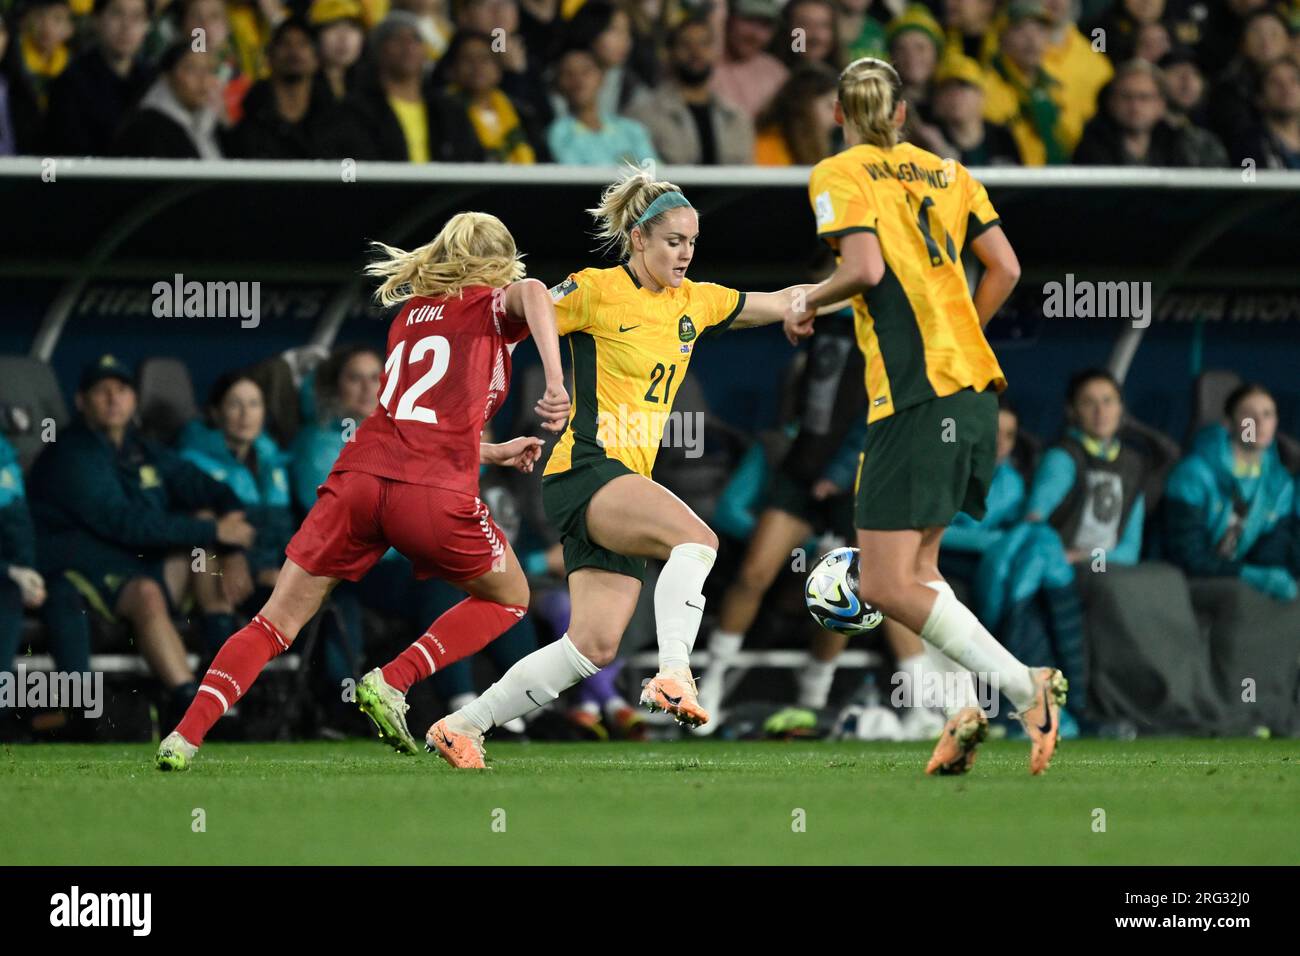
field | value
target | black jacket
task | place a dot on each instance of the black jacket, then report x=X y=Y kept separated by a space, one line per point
x=1102 y=145
x=331 y=129
x=451 y=135
x=149 y=133
x=87 y=104
x=97 y=507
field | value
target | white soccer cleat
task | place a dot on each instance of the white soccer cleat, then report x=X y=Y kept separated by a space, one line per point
x=386 y=707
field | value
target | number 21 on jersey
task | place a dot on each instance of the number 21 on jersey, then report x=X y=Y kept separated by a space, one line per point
x=407 y=409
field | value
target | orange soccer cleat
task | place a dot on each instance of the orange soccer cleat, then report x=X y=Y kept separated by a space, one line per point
x=463 y=749
x=674 y=692
x=955 y=751
x=1042 y=719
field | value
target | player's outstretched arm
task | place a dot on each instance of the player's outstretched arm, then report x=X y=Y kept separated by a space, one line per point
x=764 y=308
x=528 y=300
x=521 y=453
x=1001 y=272
x=861 y=267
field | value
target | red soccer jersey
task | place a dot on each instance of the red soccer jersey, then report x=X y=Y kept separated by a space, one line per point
x=447 y=372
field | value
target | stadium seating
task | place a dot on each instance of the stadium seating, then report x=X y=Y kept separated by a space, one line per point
x=29 y=395
x=166 y=397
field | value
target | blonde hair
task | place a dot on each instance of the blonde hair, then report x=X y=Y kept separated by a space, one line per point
x=869 y=93
x=623 y=203
x=473 y=248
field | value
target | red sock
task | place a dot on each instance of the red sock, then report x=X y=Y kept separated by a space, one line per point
x=230 y=676
x=466 y=629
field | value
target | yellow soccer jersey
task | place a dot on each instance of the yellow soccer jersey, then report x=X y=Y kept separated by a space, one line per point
x=917 y=328
x=630 y=348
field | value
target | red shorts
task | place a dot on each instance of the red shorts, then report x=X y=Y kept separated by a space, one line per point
x=358 y=517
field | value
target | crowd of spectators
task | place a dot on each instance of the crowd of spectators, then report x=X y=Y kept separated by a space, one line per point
x=1095 y=82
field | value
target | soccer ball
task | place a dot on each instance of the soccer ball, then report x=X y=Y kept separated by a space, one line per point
x=831 y=593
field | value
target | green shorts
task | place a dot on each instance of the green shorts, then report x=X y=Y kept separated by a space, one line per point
x=565 y=498
x=102 y=588
x=925 y=463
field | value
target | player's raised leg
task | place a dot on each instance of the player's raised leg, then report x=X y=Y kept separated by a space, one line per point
x=634 y=516
x=297 y=597
x=889 y=581
x=497 y=600
x=603 y=603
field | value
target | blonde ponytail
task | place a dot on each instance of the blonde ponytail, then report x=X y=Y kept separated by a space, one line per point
x=869 y=93
x=622 y=204
x=473 y=248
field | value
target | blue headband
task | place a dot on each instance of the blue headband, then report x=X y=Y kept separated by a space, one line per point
x=662 y=204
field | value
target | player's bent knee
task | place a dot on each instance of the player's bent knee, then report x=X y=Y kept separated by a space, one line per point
x=698 y=533
x=597 y=647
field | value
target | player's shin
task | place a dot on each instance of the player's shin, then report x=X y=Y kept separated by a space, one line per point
x=958 y=682
x=679 y=603
x=230 y=676
x=532 y=682
x=957 y=632
x=458 y=633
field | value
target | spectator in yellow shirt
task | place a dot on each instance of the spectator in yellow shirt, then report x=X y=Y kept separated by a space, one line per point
x=1072 y=59
x=1021 y=95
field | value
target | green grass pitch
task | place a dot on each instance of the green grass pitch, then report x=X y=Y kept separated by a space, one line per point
x=692 y=802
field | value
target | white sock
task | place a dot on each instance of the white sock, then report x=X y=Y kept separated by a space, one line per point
x=958 y=682
x=725 y=644
x=955 y=631
x=530 y=683
x=815 y=683
x=679 y=605
x=459 y=701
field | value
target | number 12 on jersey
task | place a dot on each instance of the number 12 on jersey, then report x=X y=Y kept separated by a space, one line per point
x=407 y=409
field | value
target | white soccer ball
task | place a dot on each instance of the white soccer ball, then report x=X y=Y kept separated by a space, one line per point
x=831 y=593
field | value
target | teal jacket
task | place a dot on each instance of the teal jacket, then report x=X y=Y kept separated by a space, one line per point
x=264 y=494
x=1199 y=505
x=1005 y=505
x=311 y=458
x=17 y=538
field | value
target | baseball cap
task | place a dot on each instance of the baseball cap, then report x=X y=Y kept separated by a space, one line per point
x=106 y=366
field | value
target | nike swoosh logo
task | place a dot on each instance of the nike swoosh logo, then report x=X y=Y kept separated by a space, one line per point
x=629 y=328
x=689 y=604
x=1047 y=707
x=672 y=700
x=536 y=702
